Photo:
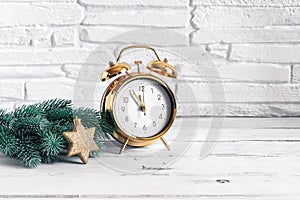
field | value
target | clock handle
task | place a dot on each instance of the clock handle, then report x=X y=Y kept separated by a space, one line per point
x=137 y=47
x=165 y=143
x=123 y=146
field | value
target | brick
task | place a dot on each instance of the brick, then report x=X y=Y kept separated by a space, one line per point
x=226 y=17
x=63 y=88
x=247 y=35
x=44 y=56
x=191 y=53
x=220 y=50
x=239 y=110
x=237 y=92
x=49 y=89
x=37 y=37
x=64 y=36
x=195 y=54
x=89 y=91
x=11 y=90
x=154 y=18
x=273 y=53
x=148 y=36
x=39 y=14
x=253 y=72
x=85 y=72
x=72 y=71
x=26 y=72
x=136 y=3
x=269 y=3
x=296 y=74
x=234 y=72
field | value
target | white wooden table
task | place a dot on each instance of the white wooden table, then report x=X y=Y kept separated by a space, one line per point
x=255 y=158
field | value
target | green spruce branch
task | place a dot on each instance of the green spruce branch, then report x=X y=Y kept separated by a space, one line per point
x=33 y=134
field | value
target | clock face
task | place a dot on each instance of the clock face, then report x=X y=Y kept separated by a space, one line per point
x=142 y=107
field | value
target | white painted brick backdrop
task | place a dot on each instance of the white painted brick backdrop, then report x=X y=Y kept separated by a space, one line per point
x=255 y=46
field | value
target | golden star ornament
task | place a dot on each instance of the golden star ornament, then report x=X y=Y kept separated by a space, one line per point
x=81 y=141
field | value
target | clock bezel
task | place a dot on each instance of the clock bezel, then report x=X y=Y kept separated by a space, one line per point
x=107 y=107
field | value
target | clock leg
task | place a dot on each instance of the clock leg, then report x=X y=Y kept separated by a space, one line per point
x=123 y=146
x=165 y=143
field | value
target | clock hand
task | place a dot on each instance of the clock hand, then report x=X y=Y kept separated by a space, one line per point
x=142 y=100
x=139 y=101
x=135 y=99
x=142 y=97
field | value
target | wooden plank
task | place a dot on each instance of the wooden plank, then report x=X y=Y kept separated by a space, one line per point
x=242 y=122
x=223 y=149
x=152 y=186
x=184 y=166
x=240 y=135
x=169 y=197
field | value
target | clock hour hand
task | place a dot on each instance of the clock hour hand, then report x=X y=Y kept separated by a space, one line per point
x=143 y=103
x=142 y=97
x=142 y=100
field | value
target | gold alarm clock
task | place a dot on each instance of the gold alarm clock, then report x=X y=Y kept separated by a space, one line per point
x=141 y=106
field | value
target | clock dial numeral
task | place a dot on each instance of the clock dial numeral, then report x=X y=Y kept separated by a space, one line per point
x=125 y=99
x=144 y=127
x=141 y=88
x=123 y=109
x=160 y=116
x=162 y=106
x=152 y=90
x=159 y=97
x=135 y=124
x=126 y=119
x=154 y=123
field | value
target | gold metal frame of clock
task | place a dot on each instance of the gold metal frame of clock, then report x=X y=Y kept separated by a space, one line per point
x=160 y=67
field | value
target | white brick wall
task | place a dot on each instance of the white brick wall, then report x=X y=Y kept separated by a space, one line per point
x=255 y=45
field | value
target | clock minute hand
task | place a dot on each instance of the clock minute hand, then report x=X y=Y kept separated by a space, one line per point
x=140 y=102
x=135 y=99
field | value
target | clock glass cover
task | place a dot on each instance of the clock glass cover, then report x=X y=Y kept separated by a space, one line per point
x=143 y=107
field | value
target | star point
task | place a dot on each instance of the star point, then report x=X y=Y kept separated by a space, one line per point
x=81 y=141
